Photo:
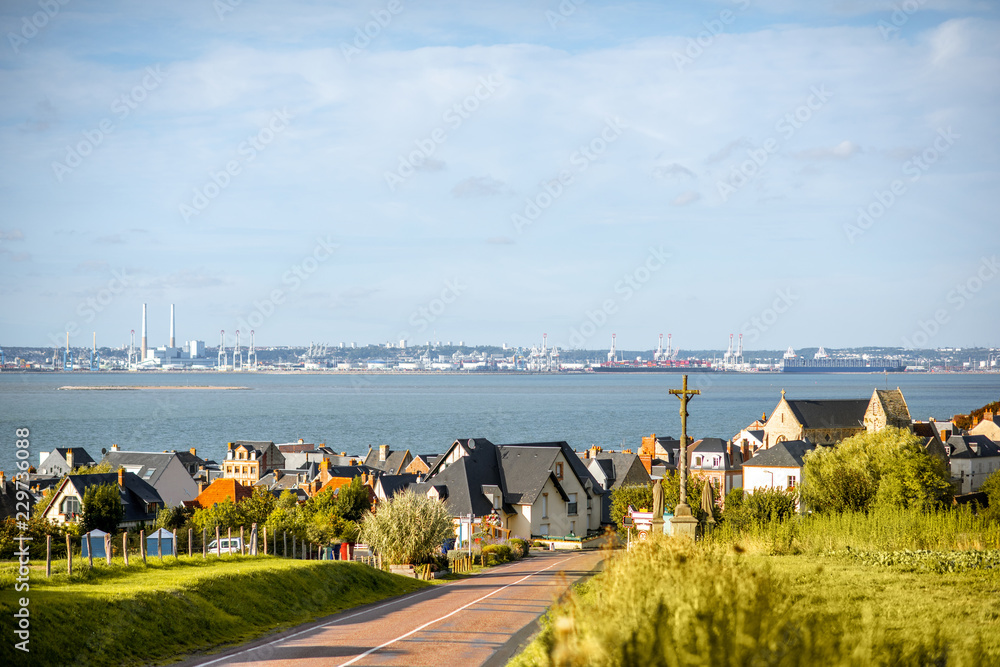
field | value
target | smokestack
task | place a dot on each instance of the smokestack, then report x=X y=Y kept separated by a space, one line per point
x=143 y=357
x=171 y=325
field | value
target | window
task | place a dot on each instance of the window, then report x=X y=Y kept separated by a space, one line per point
x=545 y=507
x=791 y=481
x=543 y=529
x=559 y=470
x=716 y=461
x=572 y=504
x=697 y=461
x=71 y=505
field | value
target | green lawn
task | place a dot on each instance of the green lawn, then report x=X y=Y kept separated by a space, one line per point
x=157 y=612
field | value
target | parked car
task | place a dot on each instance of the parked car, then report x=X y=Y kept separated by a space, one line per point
x=227 y=545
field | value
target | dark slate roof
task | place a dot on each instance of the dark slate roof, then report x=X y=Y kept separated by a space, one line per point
x=615 y=466
x=830 y=413
x=525 y=471
x=468 y=444
x=786 y=454
x=151 y=464
x=393 y=463
x=459 y=480
x=135 y=494
x=259 y=445
x=393 y=484
x=80 y=455
x=972 y=447
x=579 y=467
x=8 y=500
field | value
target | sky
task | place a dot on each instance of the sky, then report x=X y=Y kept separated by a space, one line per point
x=802 y=173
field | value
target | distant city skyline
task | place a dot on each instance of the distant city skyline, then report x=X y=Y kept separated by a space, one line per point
x=819 y=175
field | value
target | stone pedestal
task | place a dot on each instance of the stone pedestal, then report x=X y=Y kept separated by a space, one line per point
x=657 y=528
x=684 y=524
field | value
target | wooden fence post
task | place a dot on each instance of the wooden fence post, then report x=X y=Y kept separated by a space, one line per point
x=69 y=556
x=125 y=547
x=265 y=540
x=190 y=542
x=242 y=543
x=159 y=545
x=284 y=540
x=107 y=548
x=253 y=539
x=90 y=552
x=218 y=542
x=204 y=544
x=142 y=545
x=229 y=536
x=48 y=556
x=293 y=546
x=177 y=556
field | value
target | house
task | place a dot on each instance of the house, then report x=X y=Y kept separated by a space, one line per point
x=140 y=500
x=297 y=454
x=931 y=441
x=824 y=422
x=972 y=459
x=334 y=477
x=164 y=471
x=190 y=460
x=612 y=470
x=532 y=489
x=778 y=467
x=750 y=438
x=388 y=461
x=987 y=427
x=887 y=407
x=63 y=460
x=387 y=486
x=422 y=464
x=248 y=460
x=718 y=461
x=218 y=491
x=8 y=499
x=280 y=480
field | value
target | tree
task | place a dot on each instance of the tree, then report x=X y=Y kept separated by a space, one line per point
x=224 y=515
x=407 y=528
x=353 y=500
x=287 y=516
x=888 y=468
x=102 y=508
x=172 y=518
x=95 y=469
x=639 y=496
x=991 y=487
x=258 y=507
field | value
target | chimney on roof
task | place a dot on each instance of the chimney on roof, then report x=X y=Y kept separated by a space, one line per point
x=69 y=459
x=3 y=480
x=383 y=452
x=343 y=453
x=115 y=448
x=201 y=486
x=121 y=477
x=301 y=441
x=592 y=452
x=194 y=451
x=277 y=475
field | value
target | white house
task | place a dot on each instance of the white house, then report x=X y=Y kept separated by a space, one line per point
x=779 y=467
x=972 y=459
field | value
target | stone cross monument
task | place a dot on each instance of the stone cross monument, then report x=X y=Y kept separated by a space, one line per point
x=684 y=524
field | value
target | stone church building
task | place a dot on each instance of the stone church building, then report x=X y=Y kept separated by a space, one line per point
x=829 y=421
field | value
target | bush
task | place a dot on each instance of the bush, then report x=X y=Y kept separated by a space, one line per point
x=497 y=554
x=520 y=545
x=766 y=505
x=407 y=528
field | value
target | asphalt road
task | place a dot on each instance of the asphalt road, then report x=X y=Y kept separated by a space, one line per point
x=475 y=621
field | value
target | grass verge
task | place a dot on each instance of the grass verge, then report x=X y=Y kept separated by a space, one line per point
x=113 y=615
x=674 y=603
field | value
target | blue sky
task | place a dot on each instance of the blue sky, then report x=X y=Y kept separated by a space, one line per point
x=489 y=171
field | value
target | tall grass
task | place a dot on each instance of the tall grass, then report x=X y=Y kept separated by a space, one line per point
x=882 y=529
x=671 y=602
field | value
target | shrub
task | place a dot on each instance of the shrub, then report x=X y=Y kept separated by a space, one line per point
x=766 y=505
x=407 y=528
x=497 y=554
x=520 y=545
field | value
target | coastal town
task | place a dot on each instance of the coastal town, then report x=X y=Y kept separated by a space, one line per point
x=545 y=491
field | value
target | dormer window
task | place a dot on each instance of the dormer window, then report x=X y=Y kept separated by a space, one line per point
x=559 y=471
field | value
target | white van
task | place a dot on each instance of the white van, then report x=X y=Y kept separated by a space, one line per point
x=227 y=545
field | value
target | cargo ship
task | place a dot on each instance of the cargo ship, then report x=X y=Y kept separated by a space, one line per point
x=824 y=363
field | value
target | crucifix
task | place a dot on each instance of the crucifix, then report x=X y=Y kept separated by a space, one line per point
x=684 y=522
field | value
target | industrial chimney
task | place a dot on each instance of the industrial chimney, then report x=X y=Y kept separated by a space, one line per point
x=143 y=357
x=172 y=325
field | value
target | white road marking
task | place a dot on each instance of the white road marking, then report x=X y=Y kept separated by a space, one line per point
x=436 y=620
x=406 y=598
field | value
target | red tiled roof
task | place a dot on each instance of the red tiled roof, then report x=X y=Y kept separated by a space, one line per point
x=220 y=489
